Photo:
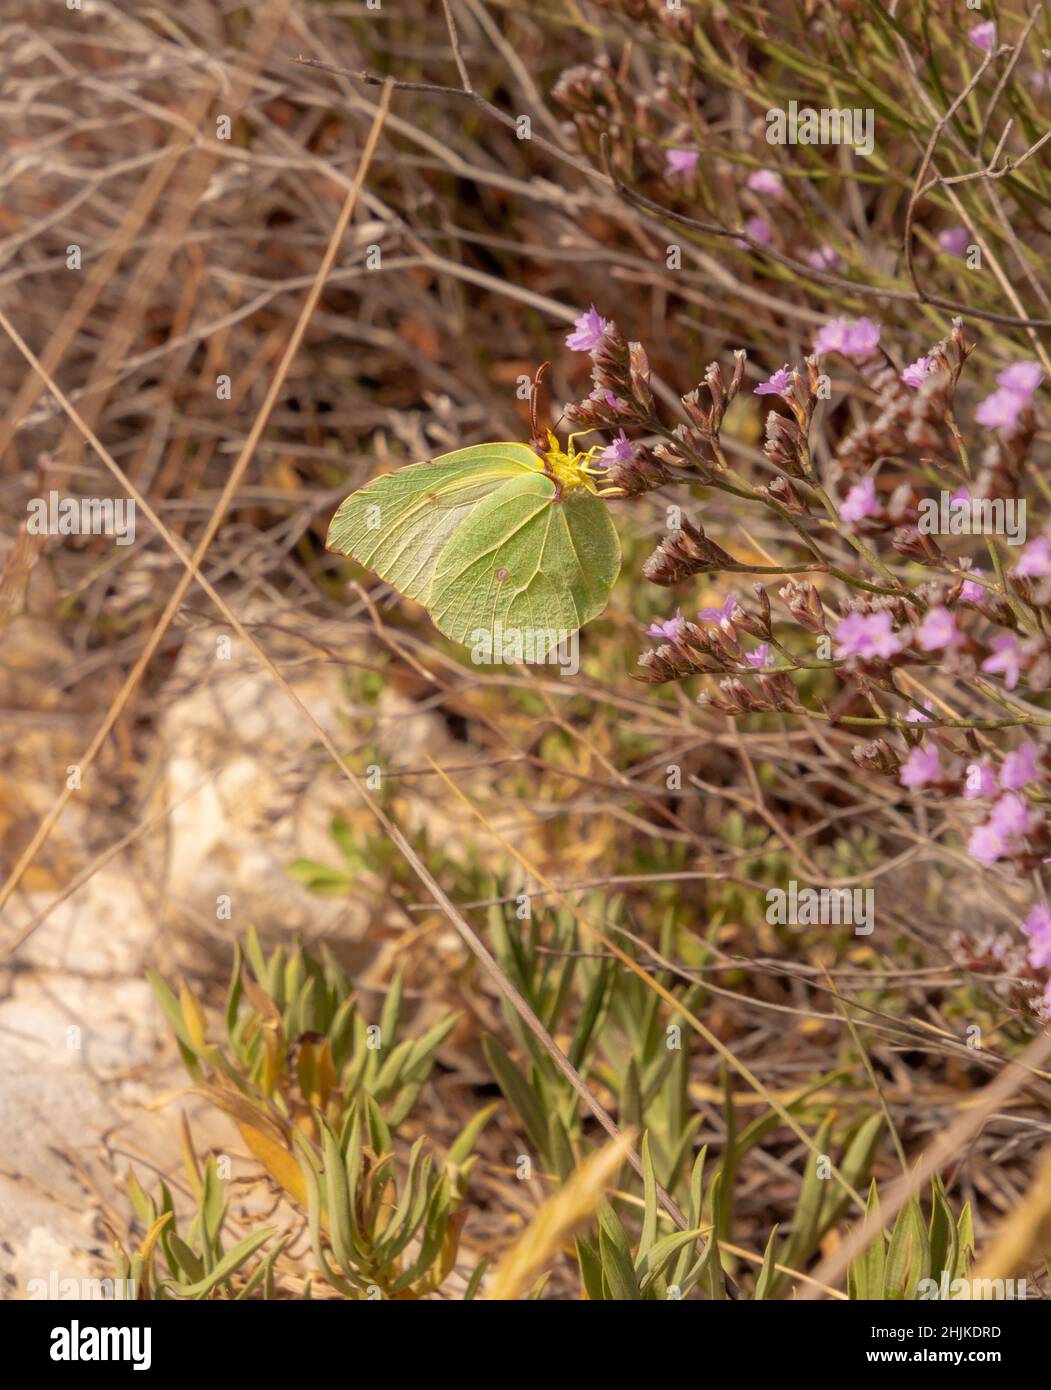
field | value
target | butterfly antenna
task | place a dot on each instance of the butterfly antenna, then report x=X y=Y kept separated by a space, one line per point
x=534 y=401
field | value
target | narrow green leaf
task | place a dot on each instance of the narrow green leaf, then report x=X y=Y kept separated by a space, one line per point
x=228 y=1265
x=615 y=1253
x=518 y=1092
x=765 y=1278
x=649 y=1216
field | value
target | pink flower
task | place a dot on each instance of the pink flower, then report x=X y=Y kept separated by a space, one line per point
x=589 y=330
x=766 y=182
x=986 y=844
x=1005 y=659
x=1008 y=819
x=861 y=339
x=866 y=635
x=923 y=765
x=981 y=781
x=938 y=630
x=1021 y=377
x=916 y=716
x=760 y=656
x=681 y=161
x=1017 y=385
x=971 y=592
x=670 y=627
x=620 y=451
x=855 y=338
x=824 y=258
x=1037 y=926
x=720 y=615
x=915 y=374
x=1020 y=767
x=760 y=231
x=1040 y=955
x=1038 y=923
x=778 y=385
x=1000 y=410
x=860 y=501
x=1035 y=559
x=954 y=240
x=983 y=36
x=1010 y=815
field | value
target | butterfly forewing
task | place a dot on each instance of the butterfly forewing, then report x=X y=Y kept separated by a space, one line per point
x=399 y=523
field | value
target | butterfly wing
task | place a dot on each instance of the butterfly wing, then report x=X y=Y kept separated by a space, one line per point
x=529 y=562
x=399 y=523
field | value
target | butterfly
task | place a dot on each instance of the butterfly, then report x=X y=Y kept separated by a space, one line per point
x=493 y=539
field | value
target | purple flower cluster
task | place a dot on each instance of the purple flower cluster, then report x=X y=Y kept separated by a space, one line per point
x=672 y=629
x=860 y=502
x=923 y=765
x=777 y=385
x=1010 y=817
x=938 y=631
x=983 y=36
x=954 y=240
x=854 y=338
x=1037 y=926
x=760 y=232
x=620 y=451
x=867 y=635
x=588 y=331
x=723 y=614
x=1010 y=820
x=766 y=183
x=824 y=257
x=1016 y=386
x=681 y=163
x=915 y=374
x=1005 y=660
x=1035 y=559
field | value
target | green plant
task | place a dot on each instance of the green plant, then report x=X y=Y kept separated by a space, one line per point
x=319 y=1096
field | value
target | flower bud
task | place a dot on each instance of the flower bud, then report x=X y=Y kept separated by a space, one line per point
x=804 y=603
x=782 y=491
x=877 y=756
x=682 y=553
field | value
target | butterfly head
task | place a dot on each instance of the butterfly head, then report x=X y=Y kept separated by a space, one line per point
x=572 y=468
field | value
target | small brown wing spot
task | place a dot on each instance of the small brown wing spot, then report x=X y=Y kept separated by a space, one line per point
x=502 y=574
x=431 y=497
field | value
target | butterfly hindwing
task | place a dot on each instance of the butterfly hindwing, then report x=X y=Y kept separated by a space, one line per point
x=526 y=562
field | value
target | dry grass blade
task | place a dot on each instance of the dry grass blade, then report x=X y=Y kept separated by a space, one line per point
x=562 y=1214
x=229 y=489
x=1025 y=1236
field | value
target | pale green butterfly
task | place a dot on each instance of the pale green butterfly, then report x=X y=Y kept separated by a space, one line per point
x=495 y=539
